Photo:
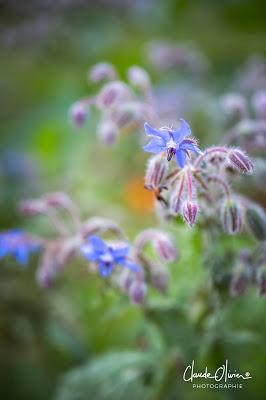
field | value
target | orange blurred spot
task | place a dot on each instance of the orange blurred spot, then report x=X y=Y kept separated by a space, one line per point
x=137 y=198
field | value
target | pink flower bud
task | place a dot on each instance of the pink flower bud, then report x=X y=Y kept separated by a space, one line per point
x=79 y=113
x=32 y=207
x=112 y=93
x=240 y=161
x=259 y=104
x=189 y=212
x=137 y=291
x=128 y=115
x=138 y=77
x=102 y=71
x=156 y=171
x=232 y=217
x=57 y=200
x=107 y=133
x=165 y=248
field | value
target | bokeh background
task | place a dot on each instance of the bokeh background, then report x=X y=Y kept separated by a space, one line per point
x=46 y=48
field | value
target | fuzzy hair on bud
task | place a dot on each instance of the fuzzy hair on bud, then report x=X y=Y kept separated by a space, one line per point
x=101 y=71
x=112 y=93
x=138 y=77
x=256 y=221
x=79 y=113
x=107 y=133
x=240 y=161
x=190 y=212
x=157 y=168
x=231 y=216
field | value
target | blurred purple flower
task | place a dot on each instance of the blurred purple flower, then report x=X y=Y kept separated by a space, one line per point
x=175 y=143
x=17 y=244
x=107 y=256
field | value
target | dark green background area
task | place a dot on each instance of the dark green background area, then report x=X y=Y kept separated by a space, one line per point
x=46 y=48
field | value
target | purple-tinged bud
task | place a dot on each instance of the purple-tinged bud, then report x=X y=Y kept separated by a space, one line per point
x=156 y=171
x=175 y=204
x=165 y=247
x=259 y=104
x=57 y=200
x=240 y=161
x=137 y=291
x=189 y=212
x=127 y=115
x=79 y=113
x=138 y=77
x=240 y=280
x=232 y=216
x=256 y=221
x=234 y=106
x=112 y=93
x=261 y=280
x=160 y=241
x=32 y=207
x=102 y=71
x=160 y=280
x=107 y=133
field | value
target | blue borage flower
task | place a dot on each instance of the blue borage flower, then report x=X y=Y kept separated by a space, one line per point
x=107 y=256
x=175 y=143
x=16 y=243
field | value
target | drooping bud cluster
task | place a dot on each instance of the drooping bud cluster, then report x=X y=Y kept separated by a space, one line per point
x=121 y=107
x=199 y=182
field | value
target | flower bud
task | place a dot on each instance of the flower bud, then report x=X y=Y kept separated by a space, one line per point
x=32 y=207
x=165 y=248
x=137 y=291
x=79 y=113
x=240 y=280
x=138 y=77
x=256 y=221
x=127 y=115
x=156 y=170
x=160 y=280
x=111 y=93
x=107 y=133
x=57 y=200
x=234 y=106
x=261 y=280
x=102 y=71
x=175 y=204
x=189 y=212
x=259 y=104
x=240 y=161
x=231 y=216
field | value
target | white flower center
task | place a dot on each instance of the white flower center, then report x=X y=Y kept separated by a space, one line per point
x=171 y=144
